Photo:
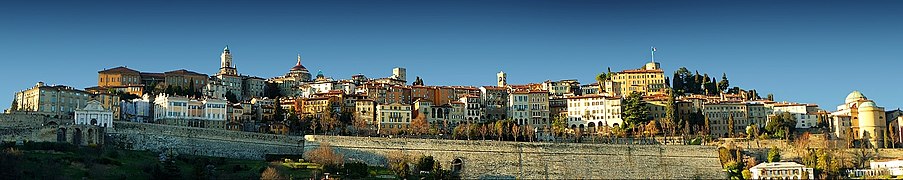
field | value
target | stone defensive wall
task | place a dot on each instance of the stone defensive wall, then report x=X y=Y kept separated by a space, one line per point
x=522 y=160
x=201 y=141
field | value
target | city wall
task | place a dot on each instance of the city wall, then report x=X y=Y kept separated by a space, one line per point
x=473 y=159
x=521 y=160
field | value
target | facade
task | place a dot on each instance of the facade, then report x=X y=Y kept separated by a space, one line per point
x=742 y=114
x=592 y=111
x=134 y=82
x=806 y=114
x=94 y=114
x=562 y=87
x=183 y=111
x=860 y=118
x=529 y=108
x=648 y=79
x=365 y=111
x=473 y=108
x=288 y=83
x=495 y=102
x=121 y=79
x=781 y=170
x=54 y=101
x=136 y=110
x=393 y=116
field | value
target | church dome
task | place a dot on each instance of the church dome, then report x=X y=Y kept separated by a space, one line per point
x=298 y=66
x=868 y=104
x=855 y=96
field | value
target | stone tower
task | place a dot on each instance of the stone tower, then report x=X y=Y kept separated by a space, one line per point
x=502 y=79
x=399 y=74
x=226 y=66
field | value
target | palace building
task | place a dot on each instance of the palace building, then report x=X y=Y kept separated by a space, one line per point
x=860 y=118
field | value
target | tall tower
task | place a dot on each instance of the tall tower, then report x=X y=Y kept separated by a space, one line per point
x=226 y=66
x=399 y=74
x=502 y=79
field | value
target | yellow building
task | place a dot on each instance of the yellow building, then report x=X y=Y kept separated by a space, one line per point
x=55 y=101
x=393 y=116
x=861 y=119
x=648 y=79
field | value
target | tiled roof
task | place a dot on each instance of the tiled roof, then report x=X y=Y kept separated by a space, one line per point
x=120 y=69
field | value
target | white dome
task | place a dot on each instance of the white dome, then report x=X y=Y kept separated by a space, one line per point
x=854 y=96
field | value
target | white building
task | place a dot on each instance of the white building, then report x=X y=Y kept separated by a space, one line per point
x=593 y=110
x=805 y=114
x=781 y=170
x=473 y=108
x=94 y=114
x=176 y=107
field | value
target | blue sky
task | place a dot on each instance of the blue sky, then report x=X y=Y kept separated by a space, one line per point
x=812 y=52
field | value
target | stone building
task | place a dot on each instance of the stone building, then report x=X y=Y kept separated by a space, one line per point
x=228 y=81
x=529 y=108
x=495 y=102
x=134 y=82
x=55 y=101
x=742 y=114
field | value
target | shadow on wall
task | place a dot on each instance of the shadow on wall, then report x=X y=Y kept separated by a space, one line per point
x=369 y=158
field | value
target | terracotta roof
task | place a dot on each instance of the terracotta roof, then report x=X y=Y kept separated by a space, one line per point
x=120 y=69
x=186 y=72
x=642 y=71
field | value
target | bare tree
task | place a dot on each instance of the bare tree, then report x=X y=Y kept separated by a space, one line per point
x=271 y=174
x=515 y=131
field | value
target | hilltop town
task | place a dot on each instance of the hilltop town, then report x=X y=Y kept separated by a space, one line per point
x=646 y=105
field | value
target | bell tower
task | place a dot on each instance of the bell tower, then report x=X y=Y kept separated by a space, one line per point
x=502 y=79
x=226 y=66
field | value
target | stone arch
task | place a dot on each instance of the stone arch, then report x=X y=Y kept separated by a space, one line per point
x=77 y=136
x=592 y=126
x=614 y=125
x=573 y=126
x=52 y=123
x=94 y=121
x=457 y=165
x=91 y=136
x=61 y=135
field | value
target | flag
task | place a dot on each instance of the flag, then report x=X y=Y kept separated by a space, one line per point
x=653 y=49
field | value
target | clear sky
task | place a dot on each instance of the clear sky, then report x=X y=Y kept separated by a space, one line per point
x=811 y=52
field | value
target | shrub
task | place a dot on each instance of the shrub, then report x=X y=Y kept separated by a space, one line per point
x=356 y=170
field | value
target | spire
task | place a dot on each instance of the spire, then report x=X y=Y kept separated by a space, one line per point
x=227 y=48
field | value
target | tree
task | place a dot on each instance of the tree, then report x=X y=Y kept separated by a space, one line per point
x=419 y=125
x=229 y=97
x=398 y=163
x=600 y=79
x=360 y=125
x=500 y=129
x=770 y=97
x=634 y=110
x=652 y=128
x=417 y=81
x=324 y=155
x=483 y=131
x=426 y=163
x=730 y=126
x=670 y=121
x=781 y=125
x=774 y=155
x=270 y=174
x=530 y=132
x=15 y=106
x=515 y=131
x=724 y=83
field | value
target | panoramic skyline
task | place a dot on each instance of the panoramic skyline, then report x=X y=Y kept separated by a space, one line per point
x=809 y=52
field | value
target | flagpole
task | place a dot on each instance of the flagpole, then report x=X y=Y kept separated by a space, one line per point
x=653 y=54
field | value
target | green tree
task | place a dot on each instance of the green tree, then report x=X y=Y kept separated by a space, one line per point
x=724 y=83
x=671 y=122
x=426 y=163
x=774 y=155
x=634 y=110
x=231 y=97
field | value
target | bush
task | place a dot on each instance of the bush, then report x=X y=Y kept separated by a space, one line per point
x=426 y=163
x=356 y=170
x=774 y=155
x=747 y=174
